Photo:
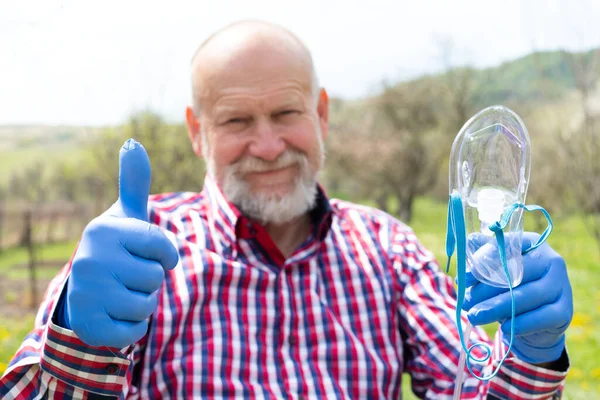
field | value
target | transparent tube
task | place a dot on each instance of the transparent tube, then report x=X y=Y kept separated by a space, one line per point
x=460 y=372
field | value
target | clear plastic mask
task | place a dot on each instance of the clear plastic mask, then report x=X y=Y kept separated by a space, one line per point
x=489 y=169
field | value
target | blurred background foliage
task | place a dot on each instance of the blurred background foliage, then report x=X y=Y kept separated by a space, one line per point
x=389 y=150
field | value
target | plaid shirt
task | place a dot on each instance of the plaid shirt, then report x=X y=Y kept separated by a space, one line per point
x=360 y=302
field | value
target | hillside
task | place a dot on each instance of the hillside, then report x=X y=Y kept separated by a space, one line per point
x=537 y=77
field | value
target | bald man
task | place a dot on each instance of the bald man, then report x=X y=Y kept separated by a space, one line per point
x=260 y=286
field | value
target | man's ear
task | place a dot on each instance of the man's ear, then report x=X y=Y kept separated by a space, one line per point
x=323 y=112
x=194 y=130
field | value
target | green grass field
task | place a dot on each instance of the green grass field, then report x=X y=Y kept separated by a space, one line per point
x=22 y=146
x=569 y=238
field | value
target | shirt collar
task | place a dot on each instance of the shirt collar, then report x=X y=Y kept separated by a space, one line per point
x=225 y=219
x=321 y=214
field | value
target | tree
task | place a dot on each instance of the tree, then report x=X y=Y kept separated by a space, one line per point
x=175 y=167
x=29 y=184
x=582 y=146
x=390 y=152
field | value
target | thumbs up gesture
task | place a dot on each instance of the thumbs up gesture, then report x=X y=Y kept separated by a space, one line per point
x=120 y=262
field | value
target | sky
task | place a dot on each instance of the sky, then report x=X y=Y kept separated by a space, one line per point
x=84 y=62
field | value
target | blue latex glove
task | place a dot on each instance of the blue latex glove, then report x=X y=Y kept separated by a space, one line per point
x=120 y=262
x=543 y=303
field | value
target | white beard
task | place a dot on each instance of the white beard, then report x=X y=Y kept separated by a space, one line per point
x=263 y=207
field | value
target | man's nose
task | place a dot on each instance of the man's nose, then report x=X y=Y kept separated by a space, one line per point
x=267 y=143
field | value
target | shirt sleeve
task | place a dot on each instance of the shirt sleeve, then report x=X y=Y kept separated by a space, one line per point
x=53 y=362
x=427 y=312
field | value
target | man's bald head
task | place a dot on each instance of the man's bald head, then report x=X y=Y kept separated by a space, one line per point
x=247 y=45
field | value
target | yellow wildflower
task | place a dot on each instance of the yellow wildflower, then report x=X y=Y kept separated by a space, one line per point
x=580 y=320
x=585 y=385
x=576 y=373
x=4 y=333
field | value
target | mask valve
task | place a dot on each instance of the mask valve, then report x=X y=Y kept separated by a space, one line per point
x=490 y=206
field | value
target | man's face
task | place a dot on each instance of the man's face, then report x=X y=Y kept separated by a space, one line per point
x=261 y=133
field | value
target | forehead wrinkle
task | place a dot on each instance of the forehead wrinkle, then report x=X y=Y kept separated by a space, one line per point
x=228 y=77
x=233 y=99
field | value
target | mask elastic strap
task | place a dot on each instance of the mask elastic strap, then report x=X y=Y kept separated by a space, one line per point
x=456 y=237
x=498 y=227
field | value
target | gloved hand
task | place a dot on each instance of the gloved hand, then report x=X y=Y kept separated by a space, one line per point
x=120 y=262
x=543 y=303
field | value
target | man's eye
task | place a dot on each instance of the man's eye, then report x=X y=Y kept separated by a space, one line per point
x=288 y=115
x=234 y=121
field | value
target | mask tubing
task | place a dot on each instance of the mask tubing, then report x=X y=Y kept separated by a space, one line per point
x=457 y=237
x=485 y=346
x=461 y=367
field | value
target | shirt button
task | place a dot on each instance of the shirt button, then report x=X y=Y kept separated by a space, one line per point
x=112 y=369
x=292 y=340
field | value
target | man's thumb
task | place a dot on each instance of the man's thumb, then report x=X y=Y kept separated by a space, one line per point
x=134 y=180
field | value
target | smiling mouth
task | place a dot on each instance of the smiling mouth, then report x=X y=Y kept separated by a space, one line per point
x=274 y=178
x=271 y=171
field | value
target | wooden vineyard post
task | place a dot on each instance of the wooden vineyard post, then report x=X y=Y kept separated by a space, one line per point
x=31 y=252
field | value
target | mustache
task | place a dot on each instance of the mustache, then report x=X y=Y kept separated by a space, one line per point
x=251 y=164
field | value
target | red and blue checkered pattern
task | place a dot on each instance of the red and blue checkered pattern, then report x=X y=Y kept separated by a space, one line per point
x=358 y=304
